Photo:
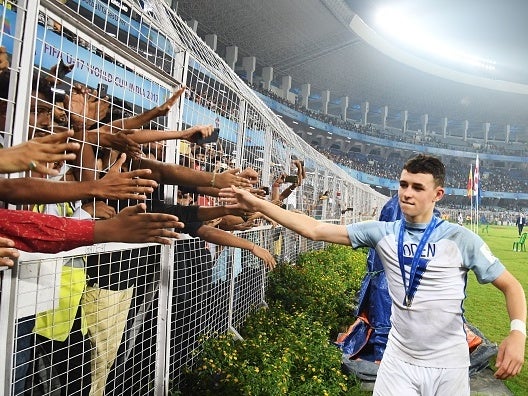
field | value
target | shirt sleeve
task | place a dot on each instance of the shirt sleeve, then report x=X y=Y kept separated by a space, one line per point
x=36 y=232
x=478 y=257
x=367 y=233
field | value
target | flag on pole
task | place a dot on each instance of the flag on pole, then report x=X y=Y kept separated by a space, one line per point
x=476 y=180
x=470 y=182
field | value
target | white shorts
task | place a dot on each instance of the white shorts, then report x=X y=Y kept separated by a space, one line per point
x=398 y=378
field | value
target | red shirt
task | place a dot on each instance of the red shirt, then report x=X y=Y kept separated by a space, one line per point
x=204 y=200
x=36 y=232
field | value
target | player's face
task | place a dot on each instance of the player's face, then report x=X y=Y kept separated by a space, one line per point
x=417 y=195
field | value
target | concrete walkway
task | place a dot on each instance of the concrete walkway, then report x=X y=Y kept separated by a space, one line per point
x=485 y=384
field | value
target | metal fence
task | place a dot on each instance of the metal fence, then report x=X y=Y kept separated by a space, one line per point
x=125 y=319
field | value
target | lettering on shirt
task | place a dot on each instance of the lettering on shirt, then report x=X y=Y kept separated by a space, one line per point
x=409 y=250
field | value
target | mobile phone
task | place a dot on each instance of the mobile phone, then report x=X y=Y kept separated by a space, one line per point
x=265 y=189
x=102 y=90
x=211 y=138
x=62 y=69
x=291 y=179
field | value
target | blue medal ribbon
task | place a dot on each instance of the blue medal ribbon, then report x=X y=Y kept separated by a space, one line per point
x=416 y=258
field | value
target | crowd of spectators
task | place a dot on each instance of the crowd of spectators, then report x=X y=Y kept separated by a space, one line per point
x=500 y=179
x=96 y=170
x=432 y=139
x=89 y=160
x=492 y=179
x=206 y=98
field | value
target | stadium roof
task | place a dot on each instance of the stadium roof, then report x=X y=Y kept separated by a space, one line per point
x=336 y=45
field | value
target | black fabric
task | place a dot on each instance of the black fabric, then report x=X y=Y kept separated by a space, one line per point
x=61 y=368
x=123 y=269
x=479 y=358
x=186 y=214
x=191 y=298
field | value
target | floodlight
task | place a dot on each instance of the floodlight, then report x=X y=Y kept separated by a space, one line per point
x=400 y=25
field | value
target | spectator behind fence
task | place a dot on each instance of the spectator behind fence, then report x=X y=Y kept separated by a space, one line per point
x=35 y=232
x=195 y=219
x=36 y=153
x=164 y=172
x=117 y=186
x=30 y=231
x=278 y=196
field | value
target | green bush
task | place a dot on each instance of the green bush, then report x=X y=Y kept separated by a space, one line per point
x=286 y=349
x=281 y=354
x=324 y=284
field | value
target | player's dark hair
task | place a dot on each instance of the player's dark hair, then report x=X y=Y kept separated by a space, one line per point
x=428 y=164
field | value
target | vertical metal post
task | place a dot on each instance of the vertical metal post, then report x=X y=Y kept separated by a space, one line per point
x=231 y=328
x=161 y=379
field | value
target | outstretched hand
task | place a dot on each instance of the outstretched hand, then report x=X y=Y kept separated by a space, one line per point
x=196 y=133
x=36 y=153
x=7 y=252
x=132 y=225
x=164 y=108
x=250 y=174
x=125 y=185
x=301 y=172
x=266 y=256
x=122 y=142
x=59 y=71
x=236 y=222
x=280 y=180
x=99 y=209
x=231 y=177
x=238 y=198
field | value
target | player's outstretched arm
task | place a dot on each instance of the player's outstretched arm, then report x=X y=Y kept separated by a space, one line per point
x=302 y=224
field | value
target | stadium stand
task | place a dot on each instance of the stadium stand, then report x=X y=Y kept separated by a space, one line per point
x=501 y=192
